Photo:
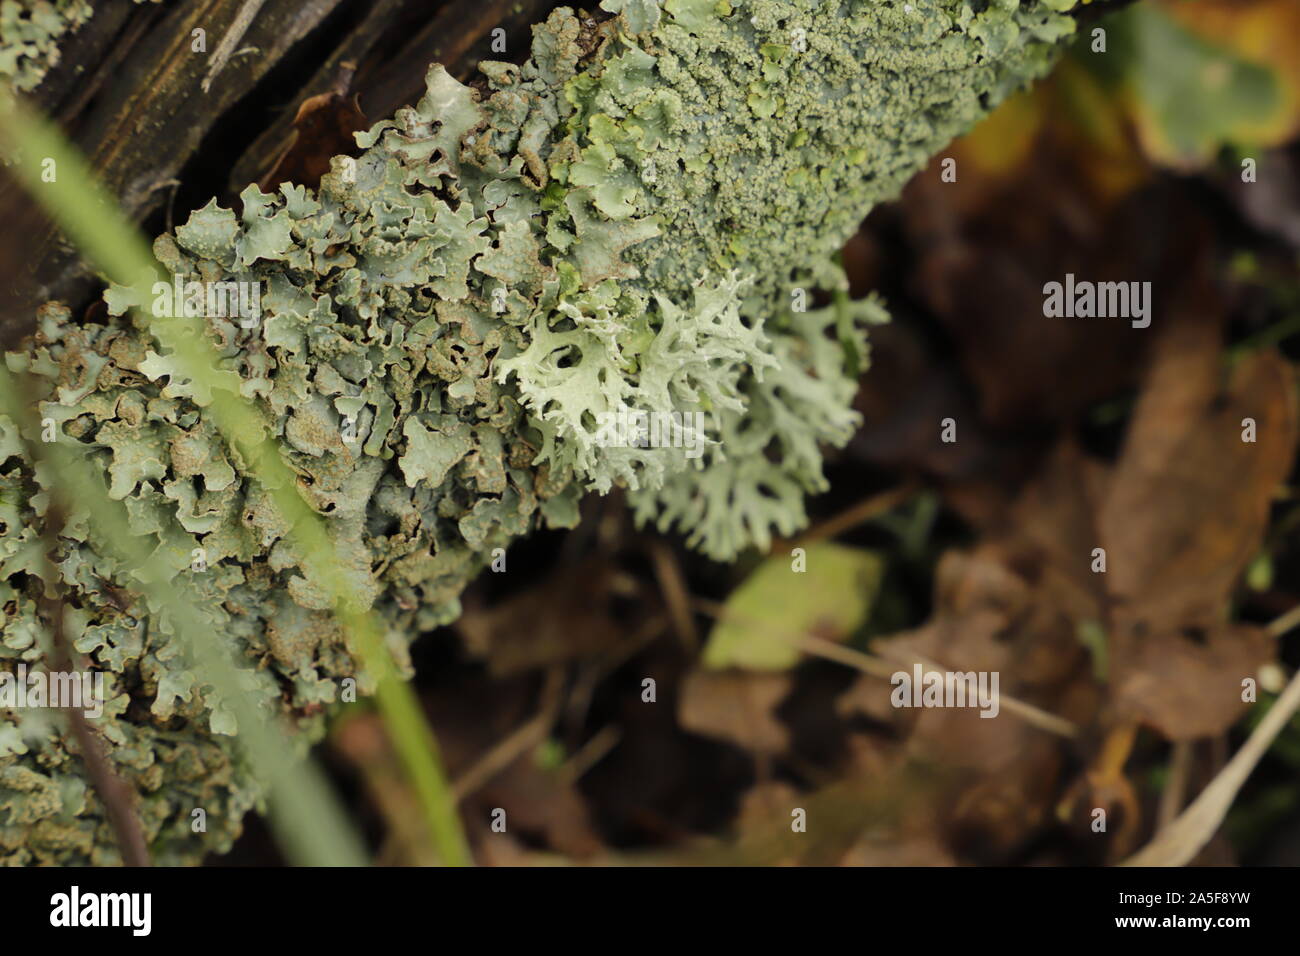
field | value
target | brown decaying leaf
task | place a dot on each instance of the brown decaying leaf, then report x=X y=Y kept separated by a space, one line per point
x=1180 y=513
x=323 y=128
x=987 y=243
x=735 y=706
x=990 y=618
x=1189 y=497
x=1187 y=511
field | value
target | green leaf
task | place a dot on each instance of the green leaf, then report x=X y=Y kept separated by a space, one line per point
x=1191 y=95
x=766 y=617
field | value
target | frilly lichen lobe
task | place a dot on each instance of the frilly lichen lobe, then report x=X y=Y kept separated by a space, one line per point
x=618 y=223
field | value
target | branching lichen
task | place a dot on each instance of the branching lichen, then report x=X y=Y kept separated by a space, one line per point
x=631 y=220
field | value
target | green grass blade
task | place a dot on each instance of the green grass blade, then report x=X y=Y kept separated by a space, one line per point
x=90 y=219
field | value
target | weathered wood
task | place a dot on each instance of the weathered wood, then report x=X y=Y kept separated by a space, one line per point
x=389 y=52
x=140 y=115
x=129 y=90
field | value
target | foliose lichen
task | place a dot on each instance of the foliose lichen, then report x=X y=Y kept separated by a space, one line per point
x=632 y=219
x=30 y=34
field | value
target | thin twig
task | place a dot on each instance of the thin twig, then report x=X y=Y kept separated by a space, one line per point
x=881 y=667
x=515 y=744
x=1110 y=786
x=863 y=511
x=1284 y=623
x=590 y=754
x=226 y=48
x=886 y=668
x=1175 y=790
x=593 y=673
x=1179 y=842
x=672 y=584
x=114 y=794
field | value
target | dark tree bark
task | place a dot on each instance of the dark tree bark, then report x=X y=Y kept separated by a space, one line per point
x=130 y=92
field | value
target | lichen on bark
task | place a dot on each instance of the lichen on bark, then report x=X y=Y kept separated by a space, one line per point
x=30 y=34
x=622 y=222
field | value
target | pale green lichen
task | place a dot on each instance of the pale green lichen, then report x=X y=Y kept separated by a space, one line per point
x=754 y=136
x=30 y=34
x=623 y=222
